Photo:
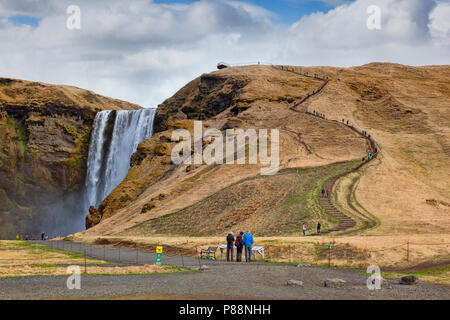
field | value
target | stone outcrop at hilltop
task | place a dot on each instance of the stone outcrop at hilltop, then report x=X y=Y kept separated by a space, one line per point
x=44 y=140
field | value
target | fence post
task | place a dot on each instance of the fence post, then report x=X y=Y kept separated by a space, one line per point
x=104 y=252
x=182 y=260
x=85 y=266
x=119 y=254
x=137 y=256
x=329 y=256
x=407 y=251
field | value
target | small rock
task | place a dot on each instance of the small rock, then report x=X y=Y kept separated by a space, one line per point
x=408 y=280
x=385 y=284
x=295 y=283
x=334 y=283
x=204 y=267
x=302 y=265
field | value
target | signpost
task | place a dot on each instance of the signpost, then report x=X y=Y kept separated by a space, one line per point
x=159 y=251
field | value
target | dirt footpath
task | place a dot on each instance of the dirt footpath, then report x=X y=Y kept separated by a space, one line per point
x=221 y=281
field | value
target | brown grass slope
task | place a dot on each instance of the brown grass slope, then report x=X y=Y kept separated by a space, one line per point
x=245 y=97
x=406 y=109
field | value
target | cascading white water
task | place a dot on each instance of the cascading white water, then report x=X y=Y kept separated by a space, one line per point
x=115 y=137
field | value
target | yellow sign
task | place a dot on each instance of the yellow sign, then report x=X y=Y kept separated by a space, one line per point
x=159 y=249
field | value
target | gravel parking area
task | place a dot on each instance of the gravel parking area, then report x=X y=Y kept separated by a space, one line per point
x=220 y=281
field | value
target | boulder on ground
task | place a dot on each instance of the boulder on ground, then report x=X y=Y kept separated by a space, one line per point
x=295 y=283
x=303 y=265
x=187 y=268
x=385 y=284
x=409 y=280
x=334 y=283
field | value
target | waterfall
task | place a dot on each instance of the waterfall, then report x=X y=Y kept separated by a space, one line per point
x=115 y=137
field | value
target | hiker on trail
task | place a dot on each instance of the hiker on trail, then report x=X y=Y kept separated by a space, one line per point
x=328 y=193
x=323 y=192
x=26 y=237
x=369 y=156
x=318 y=227
x=42 y=235
x=343 y=120
x=239 y=245
x=347 y=122
x=248 y=242
x=17 y=237
x=304 y=229
x=363 y=159
x=230 y=246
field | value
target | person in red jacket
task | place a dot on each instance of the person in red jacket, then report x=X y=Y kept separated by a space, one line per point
x=328 y=193
x=239 y=245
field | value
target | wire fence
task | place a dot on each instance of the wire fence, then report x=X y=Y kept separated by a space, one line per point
x=319 y=254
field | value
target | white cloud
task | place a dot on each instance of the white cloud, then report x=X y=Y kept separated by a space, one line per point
x=143 y=52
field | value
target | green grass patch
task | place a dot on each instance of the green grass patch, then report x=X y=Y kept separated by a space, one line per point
x=18 y=244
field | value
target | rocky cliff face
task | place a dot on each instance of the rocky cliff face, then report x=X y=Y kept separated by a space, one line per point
x=44 y=139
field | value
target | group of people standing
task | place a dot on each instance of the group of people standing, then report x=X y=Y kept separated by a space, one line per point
x=327 y=192
x=318 y=114
x=304 y=228
x=242 y=241
x=27 y=237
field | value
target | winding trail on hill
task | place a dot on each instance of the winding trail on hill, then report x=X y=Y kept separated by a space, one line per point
x=345 y=221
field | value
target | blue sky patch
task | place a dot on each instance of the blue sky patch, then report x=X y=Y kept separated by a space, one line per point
x=288 y=11
x=28 y=20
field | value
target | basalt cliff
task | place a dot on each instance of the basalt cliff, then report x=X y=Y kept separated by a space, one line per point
x=44 y=140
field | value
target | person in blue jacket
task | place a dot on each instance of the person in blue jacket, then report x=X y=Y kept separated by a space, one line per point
x=248 y=242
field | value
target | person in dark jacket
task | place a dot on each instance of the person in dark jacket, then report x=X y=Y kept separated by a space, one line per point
x=318 y=227
x=323 y=193
x=239 y=246
x=230 y=246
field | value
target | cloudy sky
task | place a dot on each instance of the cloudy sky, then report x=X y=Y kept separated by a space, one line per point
x=143 y=51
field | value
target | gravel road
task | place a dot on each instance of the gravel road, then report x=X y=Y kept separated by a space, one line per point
x=220 y=281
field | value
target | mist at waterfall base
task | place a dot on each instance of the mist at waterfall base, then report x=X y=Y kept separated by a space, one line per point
x=115 y=137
